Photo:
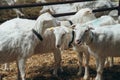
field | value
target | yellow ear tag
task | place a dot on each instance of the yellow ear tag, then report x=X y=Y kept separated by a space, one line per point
x=51 y=28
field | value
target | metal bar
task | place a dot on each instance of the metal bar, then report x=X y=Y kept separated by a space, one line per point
x=105 y=9
x=119 y=8
x=96 y=10
x=40 y=4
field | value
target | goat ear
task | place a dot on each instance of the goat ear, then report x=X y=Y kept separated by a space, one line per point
x=89 y=12
x=45 y=22
x=58 y=23
x=51 y=29
x=90 y=27
x=73 y=26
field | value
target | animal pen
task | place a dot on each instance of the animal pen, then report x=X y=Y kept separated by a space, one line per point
x=70 y=62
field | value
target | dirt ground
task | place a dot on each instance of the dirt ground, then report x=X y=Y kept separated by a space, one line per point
x=40 y=67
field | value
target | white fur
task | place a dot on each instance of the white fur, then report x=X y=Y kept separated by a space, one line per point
x=19 y=42
x=82 y=16
x=63 y=36
x=104 y=20
x=103 y=42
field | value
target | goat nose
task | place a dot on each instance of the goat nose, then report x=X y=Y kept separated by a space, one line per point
x=77 y=41
x=58 y=46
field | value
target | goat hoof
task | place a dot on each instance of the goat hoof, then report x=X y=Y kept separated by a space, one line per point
x=55 y=75
x=86 y=77
x=61 y=69
x=79 y=73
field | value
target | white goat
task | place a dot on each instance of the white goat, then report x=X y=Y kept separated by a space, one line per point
x=15 y=22
x=19 y=43
x=102 y=41
x=102 y=21
x=82 y=16
x=63 y=37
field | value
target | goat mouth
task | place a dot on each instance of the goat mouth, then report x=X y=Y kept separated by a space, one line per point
x=79 y=43
x=58 y=46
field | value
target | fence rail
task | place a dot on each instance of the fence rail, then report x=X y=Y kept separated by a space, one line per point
x=119 y=8
x=96 y=10
x=39 y=4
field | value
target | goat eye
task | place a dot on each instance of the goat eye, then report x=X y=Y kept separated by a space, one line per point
x=86 y=30
x=63 y=35
x=75 y=29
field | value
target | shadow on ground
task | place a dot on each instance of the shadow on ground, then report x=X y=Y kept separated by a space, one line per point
x=70 y=73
